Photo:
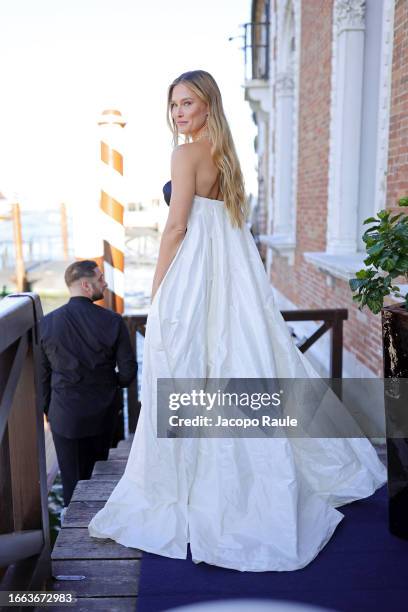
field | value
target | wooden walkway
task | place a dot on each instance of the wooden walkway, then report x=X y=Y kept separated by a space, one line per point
x=111 y=571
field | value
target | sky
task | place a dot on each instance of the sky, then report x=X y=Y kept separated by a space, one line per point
x=62 y=62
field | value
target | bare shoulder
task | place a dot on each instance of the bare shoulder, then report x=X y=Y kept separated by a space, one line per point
x=183 y=163
x=182 y=154
x=190 y=153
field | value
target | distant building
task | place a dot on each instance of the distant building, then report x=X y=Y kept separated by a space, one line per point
x=328 y=85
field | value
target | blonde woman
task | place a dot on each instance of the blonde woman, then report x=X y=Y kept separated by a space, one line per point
x=251 y=504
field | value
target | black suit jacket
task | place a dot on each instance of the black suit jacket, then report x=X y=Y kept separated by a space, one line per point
x=81 y=344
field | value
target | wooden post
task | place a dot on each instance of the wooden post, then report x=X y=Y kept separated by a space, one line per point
x=395 y=353
x=21 y=279
x=24 y=527
x=112 y=207
x=336 y=355
x=132 y=392
x=64 y=230
x=135 y=323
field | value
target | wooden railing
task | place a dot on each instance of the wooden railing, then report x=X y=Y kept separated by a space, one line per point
x=135 y=324
x=24 y=530
x=332 y=322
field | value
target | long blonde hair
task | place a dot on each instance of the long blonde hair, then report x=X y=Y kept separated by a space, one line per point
x=223 y=150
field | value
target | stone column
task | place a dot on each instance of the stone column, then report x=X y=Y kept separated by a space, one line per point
x=349 y=26
x=283 y=213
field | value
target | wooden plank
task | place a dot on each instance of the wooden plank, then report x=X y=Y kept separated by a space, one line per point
x=126 y=443
x=98 y=604
x=327 y=314
x=75 y=543
x=24 y=454
x=118 y=453
x=79 y=514
x=113 y=466
x=108 y=477
x=104 y=578
x=6 y=486
x=95 y=489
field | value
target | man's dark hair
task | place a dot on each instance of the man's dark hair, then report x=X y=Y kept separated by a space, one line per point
x=78 y=270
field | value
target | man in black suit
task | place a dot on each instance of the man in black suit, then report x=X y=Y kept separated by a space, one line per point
x=82 y=343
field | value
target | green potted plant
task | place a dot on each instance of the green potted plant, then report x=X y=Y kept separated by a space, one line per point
x=387 y=248
x=386 y=243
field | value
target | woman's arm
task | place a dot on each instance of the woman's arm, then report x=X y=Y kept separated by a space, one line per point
x=183 y=178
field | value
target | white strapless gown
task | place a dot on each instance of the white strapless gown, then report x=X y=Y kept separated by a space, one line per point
x=247 y=504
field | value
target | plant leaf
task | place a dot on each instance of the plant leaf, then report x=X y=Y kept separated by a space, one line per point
x=395 y=217
x=356 y=283
x=377 y=248
x=372 y=220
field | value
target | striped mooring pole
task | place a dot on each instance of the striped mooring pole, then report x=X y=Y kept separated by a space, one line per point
x=111 y=124
x=64 y=230
x=21 y=277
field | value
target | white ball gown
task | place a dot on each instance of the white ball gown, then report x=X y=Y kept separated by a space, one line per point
x=248 y=504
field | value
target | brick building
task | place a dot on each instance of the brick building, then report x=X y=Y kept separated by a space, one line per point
x=328 y=85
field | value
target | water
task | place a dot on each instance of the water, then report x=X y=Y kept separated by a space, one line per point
x=42 y=238
x=55 y=506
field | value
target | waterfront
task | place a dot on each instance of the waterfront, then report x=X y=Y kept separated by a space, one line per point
x=45 y=266
x=42 y=237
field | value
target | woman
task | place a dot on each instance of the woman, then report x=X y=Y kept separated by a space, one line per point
x=243 y=503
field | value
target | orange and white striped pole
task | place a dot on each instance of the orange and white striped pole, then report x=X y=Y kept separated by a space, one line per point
x=112 y=202
x=21 y=278
x=64 y=230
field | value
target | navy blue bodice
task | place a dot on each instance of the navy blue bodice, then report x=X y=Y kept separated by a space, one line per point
x=167 y=192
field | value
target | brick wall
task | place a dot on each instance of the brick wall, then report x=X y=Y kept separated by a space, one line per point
x=397 y=179
x=302 y=283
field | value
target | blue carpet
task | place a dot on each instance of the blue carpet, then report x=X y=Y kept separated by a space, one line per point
x=362 y=568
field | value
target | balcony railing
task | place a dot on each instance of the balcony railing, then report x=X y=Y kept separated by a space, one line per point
x=332 y=322
x=256 y=50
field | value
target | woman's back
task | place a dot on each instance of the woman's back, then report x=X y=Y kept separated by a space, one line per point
x=207 y=174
